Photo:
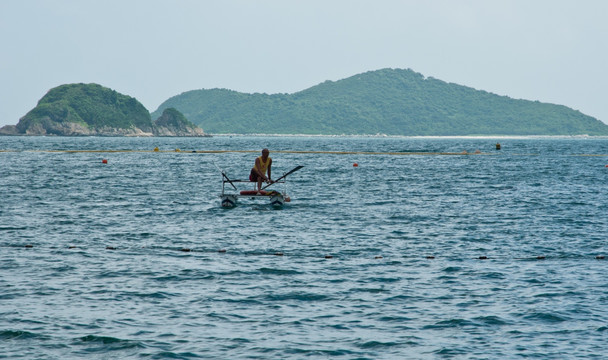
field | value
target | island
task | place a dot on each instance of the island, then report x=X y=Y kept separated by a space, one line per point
x=94 y=110
x=399 y=102
x=388 y=101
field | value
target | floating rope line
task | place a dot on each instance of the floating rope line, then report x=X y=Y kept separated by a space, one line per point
x=395 y=153
x=379 y=152
x=256 y=151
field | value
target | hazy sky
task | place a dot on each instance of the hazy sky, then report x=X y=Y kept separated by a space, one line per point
x=548 y=50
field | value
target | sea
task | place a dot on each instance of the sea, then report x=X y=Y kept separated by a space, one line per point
x=391 y=248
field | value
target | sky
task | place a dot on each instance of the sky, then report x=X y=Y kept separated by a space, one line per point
x=552 y=51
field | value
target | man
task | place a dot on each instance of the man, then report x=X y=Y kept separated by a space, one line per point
x=262 y=166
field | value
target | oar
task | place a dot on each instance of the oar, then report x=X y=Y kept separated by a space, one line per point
x=284 y=175
x=225 y=177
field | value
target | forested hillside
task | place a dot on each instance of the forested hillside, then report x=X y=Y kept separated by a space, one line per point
x=388 y=101
x=91 y=109
x=88 y=106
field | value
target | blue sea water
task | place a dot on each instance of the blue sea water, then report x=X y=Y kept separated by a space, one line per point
x=495 y=255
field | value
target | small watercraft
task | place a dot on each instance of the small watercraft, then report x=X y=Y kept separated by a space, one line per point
x=277 y=199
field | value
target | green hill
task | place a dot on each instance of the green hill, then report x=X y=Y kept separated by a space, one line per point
x=91 y=109
x=388 y=101
x=172 y=123
x=83 y=108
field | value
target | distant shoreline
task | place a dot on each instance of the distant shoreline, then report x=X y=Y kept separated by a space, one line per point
x=379 y=136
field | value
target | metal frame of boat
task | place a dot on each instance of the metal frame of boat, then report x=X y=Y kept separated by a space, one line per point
x=277 y=199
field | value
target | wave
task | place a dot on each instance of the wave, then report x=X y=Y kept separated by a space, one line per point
x=106 y=343
x=20 y=335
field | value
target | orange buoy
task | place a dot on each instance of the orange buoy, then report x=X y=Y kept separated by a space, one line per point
x=104 y=161
x=355 y=165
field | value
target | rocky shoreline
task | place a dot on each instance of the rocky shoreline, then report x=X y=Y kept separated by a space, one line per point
x=73 y=129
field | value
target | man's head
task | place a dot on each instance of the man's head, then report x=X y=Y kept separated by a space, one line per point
x=265 y=153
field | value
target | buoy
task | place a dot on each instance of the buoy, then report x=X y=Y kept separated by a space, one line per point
x=329 y=257
x=71 y=247
x=110 y=248
x=177 y=150
x=540 y=257
x=29 y=246
x=483 y=258
x=378 y=257
x=104 y=161
x=430 y=257
x=600 y=257
x=606 y=165
x=186 y=250
x=355 y=165
x=497 y=146
x=221 y=250
x=156 y=148
x=278 y=254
